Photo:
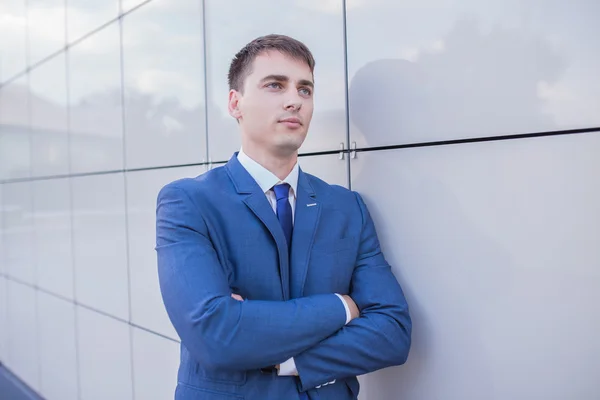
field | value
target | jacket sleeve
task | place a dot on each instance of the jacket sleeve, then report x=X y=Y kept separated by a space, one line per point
x=379 y=338
x=219 y=331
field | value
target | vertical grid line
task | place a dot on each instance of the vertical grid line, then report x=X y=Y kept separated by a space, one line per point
x=346 y=90
x=71 y=213
x=8 y=320
x=124 y=155
x=204 y=60
x=125 y=175
x=66 y=43
x=31 y=194
x=4 y=280
x=27 y=55
x=5 y=318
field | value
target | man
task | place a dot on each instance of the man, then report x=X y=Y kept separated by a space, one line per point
x=273 y=279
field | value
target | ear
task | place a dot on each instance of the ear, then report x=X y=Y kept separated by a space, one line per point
x=233 y=105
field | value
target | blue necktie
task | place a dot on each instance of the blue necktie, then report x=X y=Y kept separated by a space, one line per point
x=284 y=214
x=284 y=211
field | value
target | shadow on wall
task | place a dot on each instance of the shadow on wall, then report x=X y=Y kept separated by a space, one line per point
x=437 y=250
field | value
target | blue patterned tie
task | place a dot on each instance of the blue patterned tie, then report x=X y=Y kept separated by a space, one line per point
x=284 y=211
x=284 y=214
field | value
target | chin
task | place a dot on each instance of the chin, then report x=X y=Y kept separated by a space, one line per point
x=289 y=146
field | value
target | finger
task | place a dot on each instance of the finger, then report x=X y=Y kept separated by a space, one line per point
x=237 y=297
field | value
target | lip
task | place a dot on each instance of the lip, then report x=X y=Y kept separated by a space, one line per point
x=291 y=120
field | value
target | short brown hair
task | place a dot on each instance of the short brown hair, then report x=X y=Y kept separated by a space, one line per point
x=242 y=62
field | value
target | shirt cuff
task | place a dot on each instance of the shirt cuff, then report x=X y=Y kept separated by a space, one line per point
x=348 y=315
x=325 y=384
x=288 y=368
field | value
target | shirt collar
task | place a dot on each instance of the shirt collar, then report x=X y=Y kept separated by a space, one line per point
x=265 y=178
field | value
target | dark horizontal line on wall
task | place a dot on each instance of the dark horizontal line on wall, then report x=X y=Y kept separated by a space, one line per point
x=87 y=307
x=479 y=139
x=49 y=57
x=92 y=32
x=321 y=153
x=104 y=313
x=13 y=78
x=45 y=291
x=61 y=176
x=327 y=152
x=154 y=333
x=17 y=280
x=201 y=164
x=127 y=170
x=316 y=153
x=106 y=172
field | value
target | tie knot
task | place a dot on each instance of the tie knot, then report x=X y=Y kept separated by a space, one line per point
x=282 y=191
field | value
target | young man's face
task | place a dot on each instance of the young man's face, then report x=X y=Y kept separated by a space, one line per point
x=276 y=106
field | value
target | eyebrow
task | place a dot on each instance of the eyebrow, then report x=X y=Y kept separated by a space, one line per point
x=283 y=78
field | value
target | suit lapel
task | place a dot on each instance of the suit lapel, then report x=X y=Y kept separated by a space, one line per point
x=257 y=202
x=306 y=219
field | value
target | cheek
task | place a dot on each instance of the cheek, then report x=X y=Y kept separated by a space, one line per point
x=308 y=110
x=263 y=109
x=253 y=114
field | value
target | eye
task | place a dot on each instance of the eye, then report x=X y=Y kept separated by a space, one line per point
x=274 y=85
x=305 y=91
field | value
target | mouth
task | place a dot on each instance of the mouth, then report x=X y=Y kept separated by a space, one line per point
x=291 y=122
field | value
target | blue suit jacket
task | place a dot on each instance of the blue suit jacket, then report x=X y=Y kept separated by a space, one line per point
x=217 y=235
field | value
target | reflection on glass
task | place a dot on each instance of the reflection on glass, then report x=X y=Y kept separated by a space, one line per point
x=48 y=105
x=164 y=84
x=95 y=102
x=420 y=71
x=83 y=16
x=46 y=28
x=13 y=33
x=15 y=159
x=319 y=24
x=127 y=5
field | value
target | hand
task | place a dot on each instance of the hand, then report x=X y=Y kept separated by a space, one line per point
x=237 y=297
x=354 y=311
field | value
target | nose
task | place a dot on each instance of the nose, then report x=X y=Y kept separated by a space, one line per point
x=293 y=102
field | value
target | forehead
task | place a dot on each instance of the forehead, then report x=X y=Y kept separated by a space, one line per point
x=276 y=63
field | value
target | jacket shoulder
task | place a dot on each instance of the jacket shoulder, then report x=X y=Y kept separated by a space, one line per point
x=205 y=182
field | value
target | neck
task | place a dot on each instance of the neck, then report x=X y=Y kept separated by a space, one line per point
x=279 y=164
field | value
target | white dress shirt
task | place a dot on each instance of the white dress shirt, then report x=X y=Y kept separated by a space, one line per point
x=266 y=180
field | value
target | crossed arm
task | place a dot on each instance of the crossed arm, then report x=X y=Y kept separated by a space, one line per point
x=228 y=334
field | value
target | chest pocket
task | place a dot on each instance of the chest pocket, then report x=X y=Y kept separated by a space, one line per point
x=332 y=264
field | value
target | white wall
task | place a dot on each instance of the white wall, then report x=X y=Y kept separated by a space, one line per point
x=494 y=241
